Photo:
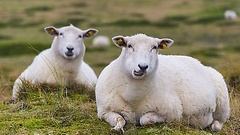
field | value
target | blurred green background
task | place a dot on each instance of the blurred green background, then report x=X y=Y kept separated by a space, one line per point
x=197 y=27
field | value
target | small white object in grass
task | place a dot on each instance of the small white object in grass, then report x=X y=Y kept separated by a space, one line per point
x=101 y=41
x=230 y=15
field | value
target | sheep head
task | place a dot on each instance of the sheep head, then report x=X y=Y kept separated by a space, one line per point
x=68 y=41
x=140 y=53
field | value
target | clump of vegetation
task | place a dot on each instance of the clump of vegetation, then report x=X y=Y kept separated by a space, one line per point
x=54 y=107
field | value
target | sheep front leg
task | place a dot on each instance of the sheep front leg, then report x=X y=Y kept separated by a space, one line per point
x=216 y=126
x=151 y=118
x=16 y=89
x=115 y=120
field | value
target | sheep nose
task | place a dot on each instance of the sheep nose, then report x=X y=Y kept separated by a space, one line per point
x=70 y=49
x=143 y=66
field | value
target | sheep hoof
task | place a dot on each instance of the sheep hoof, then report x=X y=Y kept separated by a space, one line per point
x=150 y=118
x=12 y=101
x=117 y=130
x=216 y=126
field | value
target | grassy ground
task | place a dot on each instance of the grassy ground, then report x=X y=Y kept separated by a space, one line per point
x=197 y=27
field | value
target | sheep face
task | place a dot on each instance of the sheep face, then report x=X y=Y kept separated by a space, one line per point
x=68 y=40
x=140 y=53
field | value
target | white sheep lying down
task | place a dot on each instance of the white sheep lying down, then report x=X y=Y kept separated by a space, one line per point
x=101 y=41
x=62 y=63
x=143 y=87
x=230 y=15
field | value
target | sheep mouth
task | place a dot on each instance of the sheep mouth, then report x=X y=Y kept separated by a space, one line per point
x=69 y=54
x=139 y=73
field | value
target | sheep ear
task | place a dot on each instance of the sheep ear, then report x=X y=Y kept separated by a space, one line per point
x=90 y=32
x=119 y=41
x=164 y=43
x=51 y=30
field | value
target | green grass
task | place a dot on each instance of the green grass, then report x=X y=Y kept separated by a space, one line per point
x=197 y=27
x=32 y=10
x=72 y=114
x=16 y=49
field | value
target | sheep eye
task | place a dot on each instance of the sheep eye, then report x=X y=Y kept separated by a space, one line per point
x=129 y=46
x=80 y=36
x=60 y=34
x=154 y=47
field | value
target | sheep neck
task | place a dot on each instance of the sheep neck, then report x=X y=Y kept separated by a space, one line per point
x=65 y=69
x=137 y=89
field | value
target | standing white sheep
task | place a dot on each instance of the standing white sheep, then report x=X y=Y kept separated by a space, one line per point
x=101 y=41
x=143 y=87
x=62 y=63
